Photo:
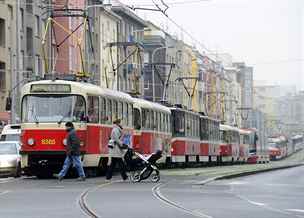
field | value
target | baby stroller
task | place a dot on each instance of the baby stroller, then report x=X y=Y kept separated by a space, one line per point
x=142 y=167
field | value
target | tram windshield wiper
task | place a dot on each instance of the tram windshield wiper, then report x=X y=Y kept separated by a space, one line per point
x=63 y=117
x=35 y=116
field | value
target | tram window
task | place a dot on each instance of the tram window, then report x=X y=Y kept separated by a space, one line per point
x=103 y=108
x=144 y=118
x=152 y=119
x=137 y=119
x=148 y=119
x=164 y=123
x=93 y=109
x=178 y=123
x=115 y=110
x=120 y=113
x=109 y=111
x=155 y=121
x=125 y=113
x=160 y=125
x=130 y=114
x=167 y=123
x=160 y=120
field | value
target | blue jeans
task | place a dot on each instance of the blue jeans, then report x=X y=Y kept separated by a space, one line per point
x=75 y=160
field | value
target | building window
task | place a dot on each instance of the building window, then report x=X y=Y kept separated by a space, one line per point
x=29 y=6
x=2 y=76
x=29 y=41
x=146 y=57
x=37 y=28
x=21 y=63
x=2 y=33
x=22 y=19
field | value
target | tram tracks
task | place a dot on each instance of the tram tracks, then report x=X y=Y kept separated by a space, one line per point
x=82 y=200
x=157 y=194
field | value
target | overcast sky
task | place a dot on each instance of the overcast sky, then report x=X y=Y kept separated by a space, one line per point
x=264 y=33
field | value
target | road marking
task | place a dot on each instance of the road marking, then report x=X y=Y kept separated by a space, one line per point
x=250 y=201
x=4 y=192
x=238 y=183
x=157 y=194
x=295 y=210
x=6 y=180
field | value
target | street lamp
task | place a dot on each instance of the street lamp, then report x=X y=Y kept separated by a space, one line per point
x=153 y=75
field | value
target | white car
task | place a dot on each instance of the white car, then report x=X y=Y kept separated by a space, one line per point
x=10 y=159
x=11 y=132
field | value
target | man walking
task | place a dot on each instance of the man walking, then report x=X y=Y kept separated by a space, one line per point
x=116 y=152
x=72 y=154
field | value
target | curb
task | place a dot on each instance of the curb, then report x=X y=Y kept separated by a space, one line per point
x=246 y=173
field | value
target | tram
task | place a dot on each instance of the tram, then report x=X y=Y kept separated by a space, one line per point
x=297 y=142
x=48 y=104
x=185 y=142
x=277 y=147
x=210 y=140
x=152 y=124
x=230 y=144
x=183 y=136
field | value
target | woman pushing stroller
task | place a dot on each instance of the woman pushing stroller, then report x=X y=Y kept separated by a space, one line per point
x=116 y=151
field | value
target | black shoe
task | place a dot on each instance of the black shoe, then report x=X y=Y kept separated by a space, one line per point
x=60 y=178
x=125 y=178
x=81 y=179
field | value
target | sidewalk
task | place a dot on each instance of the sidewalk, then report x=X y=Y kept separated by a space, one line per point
x=210 y=172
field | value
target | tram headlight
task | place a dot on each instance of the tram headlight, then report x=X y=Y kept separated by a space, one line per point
x=30 y=141
x=64 y=141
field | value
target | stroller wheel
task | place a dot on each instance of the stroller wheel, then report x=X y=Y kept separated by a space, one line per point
x=135 y=177
x=155 y=176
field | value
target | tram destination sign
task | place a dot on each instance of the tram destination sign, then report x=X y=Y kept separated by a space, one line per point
x=54 y=88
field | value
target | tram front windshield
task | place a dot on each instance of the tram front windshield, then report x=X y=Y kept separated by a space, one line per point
x=53 y=108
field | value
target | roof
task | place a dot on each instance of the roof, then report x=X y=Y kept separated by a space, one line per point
x=82 y=88
x=228 y=128
x=244 y=132
x=128 y=12
x=142 y=103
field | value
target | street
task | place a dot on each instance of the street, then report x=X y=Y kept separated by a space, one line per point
x=274 y=194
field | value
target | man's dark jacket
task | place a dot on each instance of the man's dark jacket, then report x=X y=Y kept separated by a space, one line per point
x=73 y=143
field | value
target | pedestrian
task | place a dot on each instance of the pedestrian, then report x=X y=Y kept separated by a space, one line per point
x=116 y=151
x=72 y=154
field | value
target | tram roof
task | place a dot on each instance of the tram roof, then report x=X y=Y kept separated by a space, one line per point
x=142 y=103
x=228 y=128
x=245 y=131
x=83 y=88
x=210 y=118
x=184 y=110
x=297 y=137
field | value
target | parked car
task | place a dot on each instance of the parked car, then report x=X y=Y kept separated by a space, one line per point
x=10 y=159
x=11 y=132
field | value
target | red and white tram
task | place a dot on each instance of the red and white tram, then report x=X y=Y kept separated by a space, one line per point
x=230 y=144
x=47 y=104
x=185 y=143
x=210 y=139
x=152 y=123
x=184 y=136
x=245 y=144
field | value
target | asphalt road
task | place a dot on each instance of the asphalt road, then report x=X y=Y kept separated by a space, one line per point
x=277 y=194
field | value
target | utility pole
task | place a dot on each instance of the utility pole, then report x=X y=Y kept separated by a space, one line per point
x=15 y=76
